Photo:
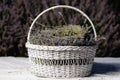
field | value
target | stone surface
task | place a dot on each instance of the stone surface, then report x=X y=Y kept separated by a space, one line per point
x=17 y=68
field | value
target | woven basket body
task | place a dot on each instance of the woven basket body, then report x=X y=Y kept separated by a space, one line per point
x=61 y=61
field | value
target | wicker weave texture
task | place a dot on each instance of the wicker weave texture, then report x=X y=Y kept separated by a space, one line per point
x=64 y=62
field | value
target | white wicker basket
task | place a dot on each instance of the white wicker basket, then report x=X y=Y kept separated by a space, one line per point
x=61 y=61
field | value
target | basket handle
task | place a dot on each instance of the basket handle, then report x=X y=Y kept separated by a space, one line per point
x=62 y=6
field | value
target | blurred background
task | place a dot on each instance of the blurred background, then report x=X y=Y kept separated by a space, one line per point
x=16 y=15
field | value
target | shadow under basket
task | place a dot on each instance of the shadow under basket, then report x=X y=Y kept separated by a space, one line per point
x=61 y=61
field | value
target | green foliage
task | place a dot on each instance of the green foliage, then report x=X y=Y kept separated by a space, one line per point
x=67 y=35
x=67 y=30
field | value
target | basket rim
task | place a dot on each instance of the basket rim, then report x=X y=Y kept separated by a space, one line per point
x=57 y=48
